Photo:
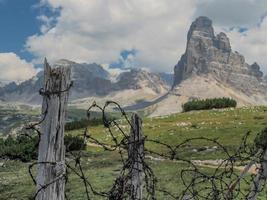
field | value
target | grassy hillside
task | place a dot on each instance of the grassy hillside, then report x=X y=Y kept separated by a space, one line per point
x=228 y=126
x=102 y=167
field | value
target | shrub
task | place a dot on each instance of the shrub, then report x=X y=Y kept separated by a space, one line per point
x=83 y=123
x=22 y=148
x=25 y=148
x=207 y=104
x=74 y=143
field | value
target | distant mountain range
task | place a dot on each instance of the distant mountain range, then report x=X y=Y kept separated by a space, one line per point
x=89 y=80
x=209 y=68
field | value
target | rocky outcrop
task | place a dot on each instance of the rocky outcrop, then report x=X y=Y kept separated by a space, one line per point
x=88 y=80
x=210 y=54
x=209 y=68
x=138 y=79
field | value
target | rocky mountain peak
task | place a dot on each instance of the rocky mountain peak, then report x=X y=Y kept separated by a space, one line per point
x=210 y=55
x=202 y=29
x=202 y=26
x=256 y=71
x=222 y=42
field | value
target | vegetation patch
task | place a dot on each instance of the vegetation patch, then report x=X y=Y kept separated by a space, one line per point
x=207 y=104
x=25 y=149
x=22 y=148
x=83 y=123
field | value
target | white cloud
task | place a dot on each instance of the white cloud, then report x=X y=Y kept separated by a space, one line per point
x=98 y=30
x=47 y=23
x=252 y=44
x=13 y=68
x=231 y=13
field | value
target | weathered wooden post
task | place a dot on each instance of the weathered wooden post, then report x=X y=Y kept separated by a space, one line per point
x=51 y=158
x=136 y=156
x=259 y=180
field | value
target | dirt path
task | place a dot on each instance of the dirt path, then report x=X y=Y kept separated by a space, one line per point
x=203 y=163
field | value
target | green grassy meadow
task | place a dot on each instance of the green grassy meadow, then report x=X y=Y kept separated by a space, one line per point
x=102 y=167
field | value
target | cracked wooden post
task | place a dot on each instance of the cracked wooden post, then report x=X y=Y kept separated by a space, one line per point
x=51 y=156
x=259 y=180
x=136 y=156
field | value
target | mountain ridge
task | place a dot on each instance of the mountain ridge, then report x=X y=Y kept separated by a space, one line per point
x=89 y=80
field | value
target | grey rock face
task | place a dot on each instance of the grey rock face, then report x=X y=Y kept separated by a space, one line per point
x=137 y=79
x=202 y=25
x=222 y=42
x=209 y=54
x=88 y=80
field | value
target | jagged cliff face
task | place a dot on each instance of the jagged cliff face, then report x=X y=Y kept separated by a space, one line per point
x=209 y=69
x=209 y=54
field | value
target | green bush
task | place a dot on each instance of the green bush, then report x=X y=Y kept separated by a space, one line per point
x=22 y=148
x=25 y=148
x=74 y=143
x=207 y=104
x=83 y=123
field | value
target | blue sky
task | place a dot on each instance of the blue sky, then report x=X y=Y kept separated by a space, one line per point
x=139 y=33
x=18 y=21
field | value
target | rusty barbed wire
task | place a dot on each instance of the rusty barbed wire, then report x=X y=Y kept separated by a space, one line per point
x=224 y=183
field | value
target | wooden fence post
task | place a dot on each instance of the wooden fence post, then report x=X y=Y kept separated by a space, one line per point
x=51 y=157
x=259 y=180
x=136 y=156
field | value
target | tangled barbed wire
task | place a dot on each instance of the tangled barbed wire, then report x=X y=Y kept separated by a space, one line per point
x=224 y=182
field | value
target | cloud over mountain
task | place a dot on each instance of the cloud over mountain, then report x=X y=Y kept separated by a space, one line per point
x=99 y=30
x=13 y=68
x=243 y=13
x=252 y=43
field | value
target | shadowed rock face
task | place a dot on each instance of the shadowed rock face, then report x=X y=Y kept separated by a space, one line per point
x=209 y=54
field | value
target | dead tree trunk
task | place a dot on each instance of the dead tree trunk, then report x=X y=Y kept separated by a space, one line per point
x=51 y=158
x=259 y=179
x=136 y=156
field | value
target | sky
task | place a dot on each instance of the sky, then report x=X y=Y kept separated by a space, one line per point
x=120 y=33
